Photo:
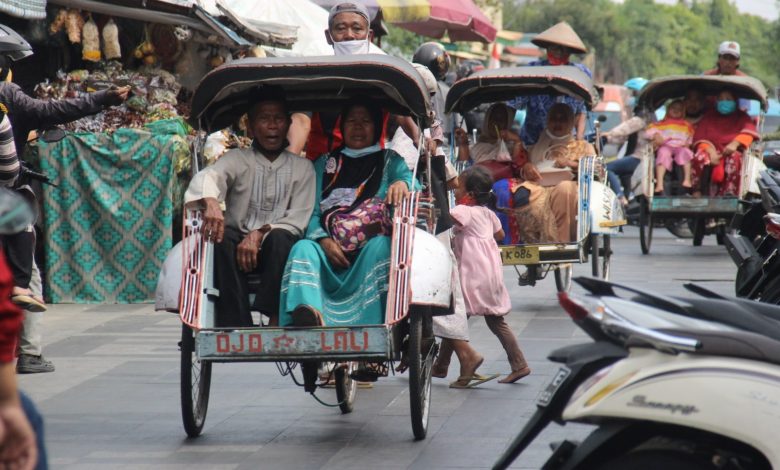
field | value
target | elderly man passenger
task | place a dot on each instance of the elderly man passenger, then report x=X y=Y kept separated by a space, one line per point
x=268 y=194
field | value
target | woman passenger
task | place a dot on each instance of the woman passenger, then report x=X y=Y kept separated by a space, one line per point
x=338 y=275
x=722 y=135
x=550 y=191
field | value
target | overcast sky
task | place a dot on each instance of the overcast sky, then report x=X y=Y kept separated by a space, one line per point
x=763 y=8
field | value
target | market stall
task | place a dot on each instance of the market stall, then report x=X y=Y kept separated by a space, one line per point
x=110 y=220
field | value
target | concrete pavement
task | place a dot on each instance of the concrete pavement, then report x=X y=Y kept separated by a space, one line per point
x=113 y=401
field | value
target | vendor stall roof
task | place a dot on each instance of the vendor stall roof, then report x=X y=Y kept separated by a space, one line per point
x=175 y=13
x=27 y=9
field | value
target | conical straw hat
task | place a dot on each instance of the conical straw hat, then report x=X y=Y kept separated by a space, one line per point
x=561 y=34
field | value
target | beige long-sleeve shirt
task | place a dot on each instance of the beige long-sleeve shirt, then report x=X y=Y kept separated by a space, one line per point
x=257 y=191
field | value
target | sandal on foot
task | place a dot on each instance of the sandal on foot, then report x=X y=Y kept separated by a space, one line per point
x=370 y=371
x=28 y=302
x=515 y=376
x=473 y=381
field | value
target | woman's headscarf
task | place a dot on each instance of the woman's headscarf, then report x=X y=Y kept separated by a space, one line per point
x=373 y=110
x=488 y=145
x=558 y=150
x=490 y=123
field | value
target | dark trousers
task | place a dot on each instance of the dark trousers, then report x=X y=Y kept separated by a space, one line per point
x=233 y=303
x=36 y=421
x=439 y=192
x=19 y=249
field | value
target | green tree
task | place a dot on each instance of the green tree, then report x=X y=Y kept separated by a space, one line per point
x=643 y=38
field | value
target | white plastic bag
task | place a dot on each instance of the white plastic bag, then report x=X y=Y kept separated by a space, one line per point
x=166 y=297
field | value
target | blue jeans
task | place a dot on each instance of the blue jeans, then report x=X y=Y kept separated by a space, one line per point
x=36 y=421
x=619 y=171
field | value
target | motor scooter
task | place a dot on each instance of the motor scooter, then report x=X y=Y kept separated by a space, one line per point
x=671 y=383
x=752 y=246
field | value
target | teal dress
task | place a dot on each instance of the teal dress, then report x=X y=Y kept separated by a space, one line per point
x=356 y=295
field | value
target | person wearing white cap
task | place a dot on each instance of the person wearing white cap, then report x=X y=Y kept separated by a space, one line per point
x=560 y=41
x=349 y=33
x=728 y=64
x=728 y=60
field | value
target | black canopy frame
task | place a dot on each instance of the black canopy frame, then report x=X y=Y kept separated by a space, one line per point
x=503 y=84
x=311 y=84
x=658 y=90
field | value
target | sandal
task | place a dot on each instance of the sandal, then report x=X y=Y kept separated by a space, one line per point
x=370 y=371
x=28 y=302
x=473 y=381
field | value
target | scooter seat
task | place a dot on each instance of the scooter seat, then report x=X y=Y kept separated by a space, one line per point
x=737 y=344
x=750 y=316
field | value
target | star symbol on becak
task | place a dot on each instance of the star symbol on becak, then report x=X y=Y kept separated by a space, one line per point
x=283 y=342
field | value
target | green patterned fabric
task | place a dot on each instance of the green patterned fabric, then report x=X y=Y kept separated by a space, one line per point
x=108 y=224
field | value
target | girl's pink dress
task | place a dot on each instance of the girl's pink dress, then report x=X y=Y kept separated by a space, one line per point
x=479 y=261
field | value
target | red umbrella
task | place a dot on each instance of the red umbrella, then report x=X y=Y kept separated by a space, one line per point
x=461 y=20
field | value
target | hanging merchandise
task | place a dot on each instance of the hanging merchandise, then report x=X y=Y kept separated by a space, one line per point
x=145 y=51
x=91 y=42
x=59 y=22
x=74 y=23
x=111 y=48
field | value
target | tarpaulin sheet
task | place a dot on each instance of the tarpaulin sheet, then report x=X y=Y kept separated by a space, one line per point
x=108 y=223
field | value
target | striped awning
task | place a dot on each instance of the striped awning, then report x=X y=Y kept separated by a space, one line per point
x=27 y=9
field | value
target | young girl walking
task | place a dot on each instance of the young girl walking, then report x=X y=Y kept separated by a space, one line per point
x=481 y=275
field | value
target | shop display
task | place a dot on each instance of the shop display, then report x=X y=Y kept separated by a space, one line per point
x=153 y=96
x=111 y=47
x=90 y=40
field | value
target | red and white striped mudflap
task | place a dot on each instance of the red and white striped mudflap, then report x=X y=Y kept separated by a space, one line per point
x=193 y=269
x=399 y=292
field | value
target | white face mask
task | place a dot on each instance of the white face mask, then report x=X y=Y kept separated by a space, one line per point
x=357 y=46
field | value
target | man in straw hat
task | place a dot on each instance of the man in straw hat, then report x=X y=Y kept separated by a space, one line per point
x=560 y=41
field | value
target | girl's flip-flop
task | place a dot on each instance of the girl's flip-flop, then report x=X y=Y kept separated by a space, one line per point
x=28 y=302
x=473 y=381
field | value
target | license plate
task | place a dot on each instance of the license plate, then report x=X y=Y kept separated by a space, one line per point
x=519 y=255
x=546 y=396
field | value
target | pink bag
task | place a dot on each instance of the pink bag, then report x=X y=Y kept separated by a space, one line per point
x=352 y=228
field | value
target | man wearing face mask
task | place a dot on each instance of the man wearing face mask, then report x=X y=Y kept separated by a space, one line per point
x=349 y=34
x=560 y=41
x=721 y=137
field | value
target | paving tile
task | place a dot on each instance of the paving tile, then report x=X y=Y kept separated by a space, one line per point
x=113 y=401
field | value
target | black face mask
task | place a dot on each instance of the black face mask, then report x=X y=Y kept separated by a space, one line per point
x=689 y=114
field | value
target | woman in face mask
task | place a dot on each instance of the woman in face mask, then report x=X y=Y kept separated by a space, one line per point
x=723 y=133
x=338 y=275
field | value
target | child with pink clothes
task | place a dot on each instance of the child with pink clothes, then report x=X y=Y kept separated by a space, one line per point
x=481 y=272
x=672 y=138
